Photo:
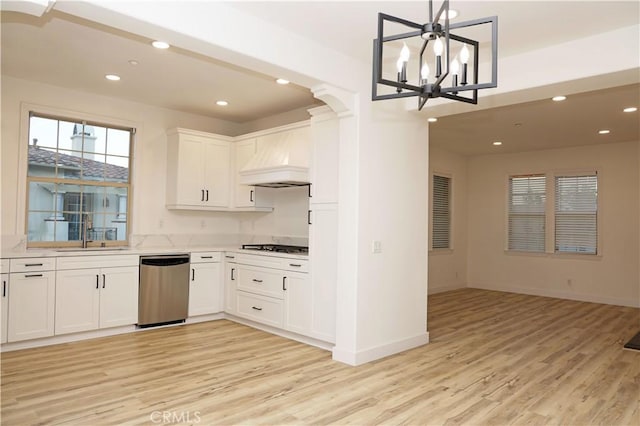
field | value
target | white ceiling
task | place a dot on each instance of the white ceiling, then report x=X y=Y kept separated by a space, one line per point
x=64 y=50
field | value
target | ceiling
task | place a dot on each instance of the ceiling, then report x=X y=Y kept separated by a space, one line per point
x=67 y=51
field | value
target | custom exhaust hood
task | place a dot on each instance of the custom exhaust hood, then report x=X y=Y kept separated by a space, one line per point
x=282 y=161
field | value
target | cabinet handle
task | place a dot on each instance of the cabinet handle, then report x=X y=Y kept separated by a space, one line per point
x=206 y=257
x=207 y=191
x=310 y=196
x=4 y=288
x=297 y=265
x=309 y=217
x=97 y=281
x=284 y=283
x=257 y=281
x=27 y=265
x=193 y=274
x=104 y=280
x=230 y=257
x=202 y=195
x=251 y=196
x=257 y=309
x=32 y=275
x=232 y=271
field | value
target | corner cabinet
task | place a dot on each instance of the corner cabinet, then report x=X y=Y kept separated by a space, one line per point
x=198 y=170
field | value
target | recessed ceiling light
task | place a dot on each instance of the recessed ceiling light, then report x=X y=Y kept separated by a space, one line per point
x=133 y=62
x=432 y=119
x=160 y=44
x=222 y=103
x=630 y=109
x=282 y=81
x=558 y=98
x=112 y=77
x=497 y=143
x=604 y=132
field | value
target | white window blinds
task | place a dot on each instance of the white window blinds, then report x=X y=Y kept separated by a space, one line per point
x=576 y=212
x=527 y=199
x=440 y=235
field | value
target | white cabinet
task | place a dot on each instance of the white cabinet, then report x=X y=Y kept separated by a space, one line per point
x=205 y=285
x=198 y=170
x=244 y=194
x=230 y=284
x=325 y=145
x=323 y=255
x=274 y=291
x=94 y=292
x=31 y=304
x=4 y=313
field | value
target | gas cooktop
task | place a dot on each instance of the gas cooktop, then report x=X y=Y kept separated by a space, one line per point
x=279 y=248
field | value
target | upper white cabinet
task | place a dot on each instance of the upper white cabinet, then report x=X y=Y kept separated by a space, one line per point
x=198 y=170
x=323 y=167
x=244 y=194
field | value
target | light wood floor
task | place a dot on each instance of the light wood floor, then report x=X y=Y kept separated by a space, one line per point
x=495 y=359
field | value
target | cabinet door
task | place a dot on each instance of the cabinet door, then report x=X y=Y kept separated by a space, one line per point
x=205 y=293
x=31 y=305
x=323 y=261
x=298 y=303
x=119 y=296
x=217 y=173
x=4 y=314
x=323 y=170
x=77 y=300
x=190 y=172
x=230 y=274
x=244 y=194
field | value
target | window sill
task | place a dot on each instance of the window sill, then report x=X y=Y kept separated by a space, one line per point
x=567 y=256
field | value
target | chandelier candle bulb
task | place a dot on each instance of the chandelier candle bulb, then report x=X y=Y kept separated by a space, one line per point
x=424 y=74
x=464 y=58
x=438 y=48
x=455 y=69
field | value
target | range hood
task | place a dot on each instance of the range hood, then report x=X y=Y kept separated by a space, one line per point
x=282 y=161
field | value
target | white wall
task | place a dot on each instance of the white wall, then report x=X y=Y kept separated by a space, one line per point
x=448 y=268
x=149 y=164
x=612 y=277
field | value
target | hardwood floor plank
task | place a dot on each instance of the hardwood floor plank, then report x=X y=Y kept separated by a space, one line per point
x=494 y=359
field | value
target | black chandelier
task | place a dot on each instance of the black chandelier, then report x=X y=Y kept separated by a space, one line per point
x=414 y=78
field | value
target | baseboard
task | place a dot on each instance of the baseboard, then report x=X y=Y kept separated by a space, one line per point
x=372 y=354
x=442 y=288
x=593 y=298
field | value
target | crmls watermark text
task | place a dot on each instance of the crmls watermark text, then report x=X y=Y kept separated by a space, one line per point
x=170 y=417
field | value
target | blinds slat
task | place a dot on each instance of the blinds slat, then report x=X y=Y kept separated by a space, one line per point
x=576 y=207
x=527 y=200
x=441 y=215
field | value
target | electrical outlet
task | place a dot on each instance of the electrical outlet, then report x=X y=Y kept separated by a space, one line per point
x=376 y=246
x=203 y=224
x=160 y=223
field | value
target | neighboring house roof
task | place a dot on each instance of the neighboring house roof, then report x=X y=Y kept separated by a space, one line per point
x=90 y=168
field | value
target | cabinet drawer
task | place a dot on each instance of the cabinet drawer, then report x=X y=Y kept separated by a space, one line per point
x=261 y=309
x=260 y=281
x=101 y=261
x=206 y=256
x=32 y=264
x=296 y=265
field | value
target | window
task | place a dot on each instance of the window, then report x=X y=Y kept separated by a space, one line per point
x=576 y=213
x=527 y=199
x=441 y=218
x=78 y=182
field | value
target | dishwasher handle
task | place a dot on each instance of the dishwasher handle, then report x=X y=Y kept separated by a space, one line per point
x=164 y=260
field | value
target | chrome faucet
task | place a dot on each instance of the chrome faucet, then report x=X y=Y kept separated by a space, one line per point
x=85 y=229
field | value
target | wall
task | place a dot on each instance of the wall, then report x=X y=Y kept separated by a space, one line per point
x=612 y=277
x=448 y=268
x=152 y=223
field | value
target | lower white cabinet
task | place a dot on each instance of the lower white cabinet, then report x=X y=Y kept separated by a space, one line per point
x=4 y=313
x=89 y=299
x=230 y=284
x=278 y=296
x=205 y=285
x=31 y=305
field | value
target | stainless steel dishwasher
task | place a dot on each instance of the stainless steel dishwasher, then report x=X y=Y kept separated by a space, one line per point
x=164 y=289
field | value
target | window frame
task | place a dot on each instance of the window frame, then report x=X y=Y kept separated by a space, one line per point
x=545 y=213
x=449 y=176
x=29 y=110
